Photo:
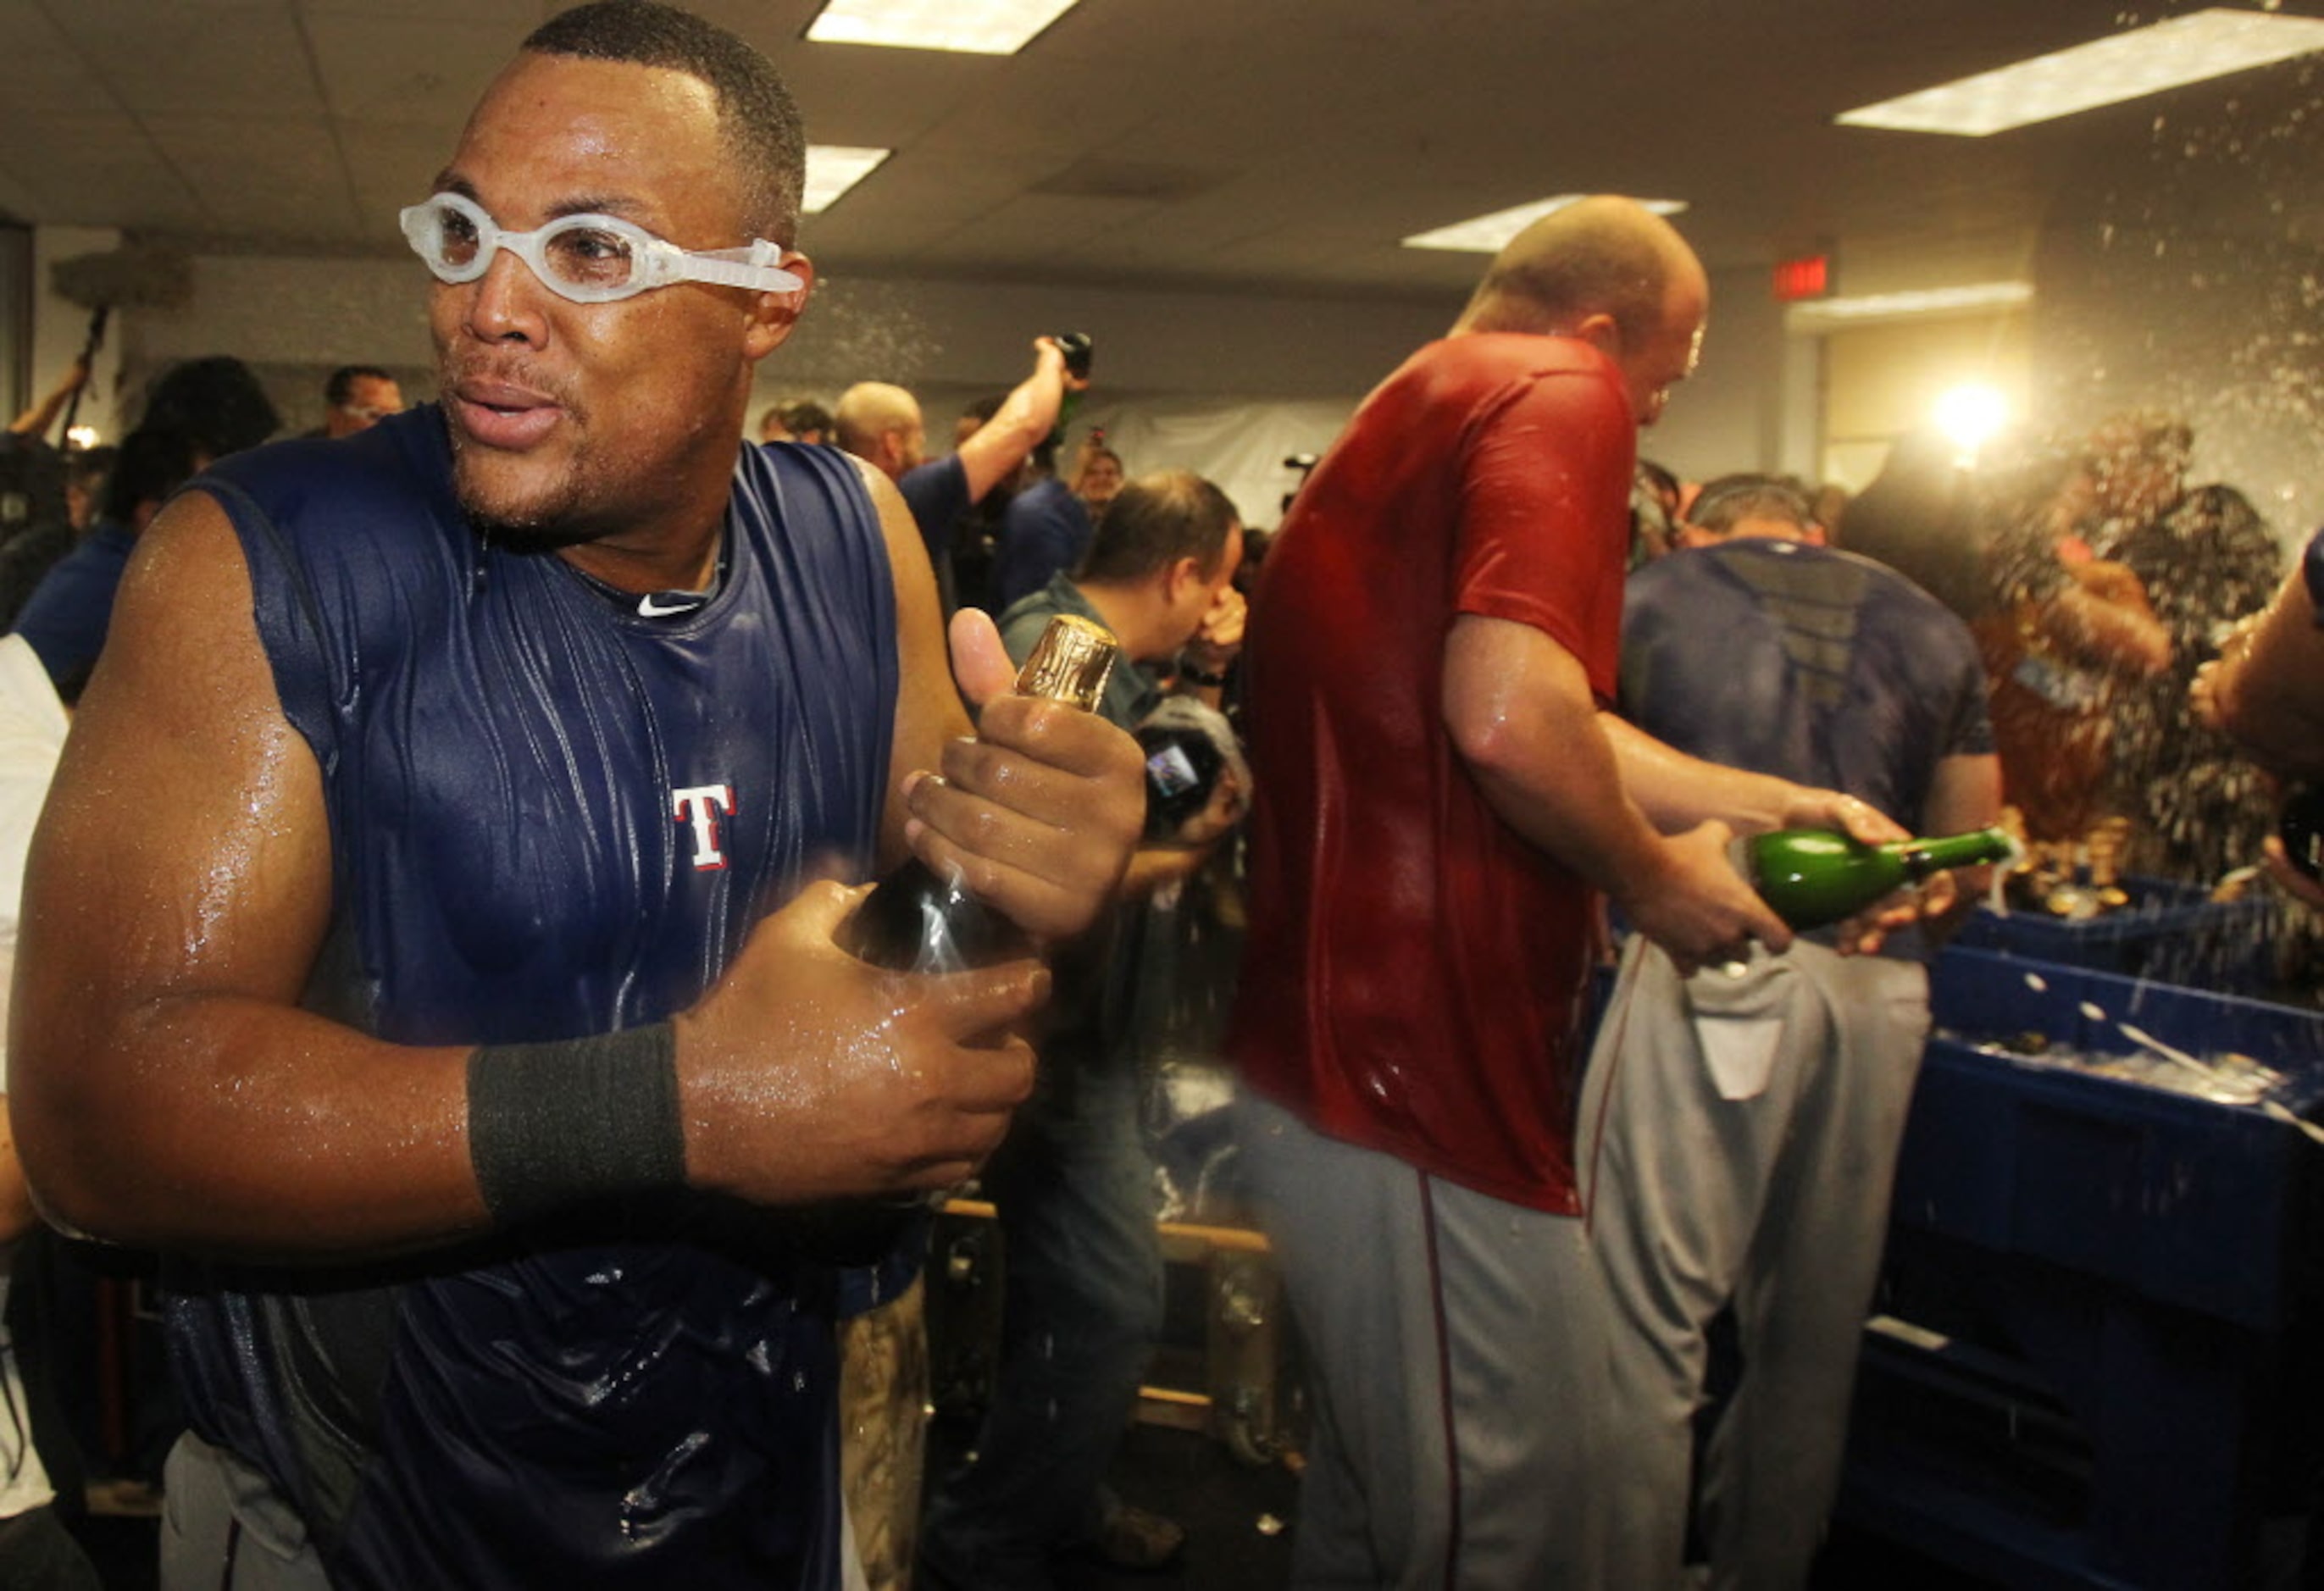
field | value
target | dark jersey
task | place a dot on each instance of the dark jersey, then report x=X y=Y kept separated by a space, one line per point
x=1042 y=535
x=551 y=815
x=1813 y=664
x=936 y=492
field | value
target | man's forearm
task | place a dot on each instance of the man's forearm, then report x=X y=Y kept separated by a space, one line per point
x=2267 y=687
x=1027 y=416
x=1519 y=711
x=241 y=1127
x=1580 y=815
x=1676 y=791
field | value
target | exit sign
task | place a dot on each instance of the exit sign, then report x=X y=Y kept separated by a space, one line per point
x=1807 y=277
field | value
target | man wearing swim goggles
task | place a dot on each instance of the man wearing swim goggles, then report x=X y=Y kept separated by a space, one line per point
x=589 y=258
x=503 y=748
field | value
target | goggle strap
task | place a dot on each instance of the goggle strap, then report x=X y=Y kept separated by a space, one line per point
x=749 y=267
x=767 y=279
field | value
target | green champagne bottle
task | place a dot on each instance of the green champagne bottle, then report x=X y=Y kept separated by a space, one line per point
x=1812 y=877
x=1079 y=349
x=916 y=920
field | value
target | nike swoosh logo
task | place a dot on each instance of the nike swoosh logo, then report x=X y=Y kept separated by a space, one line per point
x=649 y=609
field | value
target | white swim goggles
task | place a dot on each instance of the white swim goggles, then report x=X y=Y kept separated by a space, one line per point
x=589 y=258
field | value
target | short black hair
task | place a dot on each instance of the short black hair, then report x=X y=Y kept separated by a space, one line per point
x=152 y=462
x=217 y=401
x=758 y=119
x=1156 y=520
x=341 y=387
x=1727 y=501
x=803 y=415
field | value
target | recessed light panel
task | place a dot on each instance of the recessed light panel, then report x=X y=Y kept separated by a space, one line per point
x=832 y=170
x=972 y=27
x=1484 y=235
x=2124 y=66
x=1945 y=300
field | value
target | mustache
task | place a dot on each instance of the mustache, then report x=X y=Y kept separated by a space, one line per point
x=486 y=370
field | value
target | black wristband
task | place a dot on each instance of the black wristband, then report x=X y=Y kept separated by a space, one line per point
x=555 y=1124
x=1189 y=672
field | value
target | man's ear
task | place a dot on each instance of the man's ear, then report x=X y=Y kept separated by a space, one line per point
x=1185 y=574
x=1600 y=332
x=773 y=315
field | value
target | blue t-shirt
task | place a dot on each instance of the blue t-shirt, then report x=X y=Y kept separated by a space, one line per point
x=1044 y=534
x=65 y=617
x=1804 y=662
x=936 y=492
x=552 y=814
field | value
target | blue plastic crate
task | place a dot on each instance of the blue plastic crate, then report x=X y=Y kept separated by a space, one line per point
x=2185 y=1200
x=2171 y=933
x=2106 y=1289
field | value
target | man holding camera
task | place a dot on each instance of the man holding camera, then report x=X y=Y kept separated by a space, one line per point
x=1075 y=1184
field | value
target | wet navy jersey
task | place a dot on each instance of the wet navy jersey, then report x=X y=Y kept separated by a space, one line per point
x=554 y=811
x=1804 y=662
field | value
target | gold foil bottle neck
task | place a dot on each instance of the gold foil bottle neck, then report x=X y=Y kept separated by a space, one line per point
x=1070 y=663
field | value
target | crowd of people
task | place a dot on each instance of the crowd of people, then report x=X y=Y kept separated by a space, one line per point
x=430 y=949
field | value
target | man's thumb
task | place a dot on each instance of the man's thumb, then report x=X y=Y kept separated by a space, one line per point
x=979 y=661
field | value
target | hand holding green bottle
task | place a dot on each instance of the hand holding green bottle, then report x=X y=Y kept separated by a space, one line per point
x=1816 y=877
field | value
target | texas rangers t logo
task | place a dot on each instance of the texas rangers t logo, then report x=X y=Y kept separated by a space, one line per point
x=700 y=805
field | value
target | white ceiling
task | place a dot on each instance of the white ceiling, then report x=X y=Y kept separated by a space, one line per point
x=1248 y=144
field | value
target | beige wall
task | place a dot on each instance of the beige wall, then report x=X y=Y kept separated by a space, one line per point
x=1881 y=381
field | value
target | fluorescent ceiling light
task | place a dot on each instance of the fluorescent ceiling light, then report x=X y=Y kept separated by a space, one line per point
x=973 y=27
x=2124 y=66
x=1484 y=235
x=1949 y=300
x=832 y=170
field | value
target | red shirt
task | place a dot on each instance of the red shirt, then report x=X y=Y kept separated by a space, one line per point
x=1415 y=974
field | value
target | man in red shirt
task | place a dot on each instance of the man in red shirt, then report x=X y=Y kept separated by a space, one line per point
x=1441 y=801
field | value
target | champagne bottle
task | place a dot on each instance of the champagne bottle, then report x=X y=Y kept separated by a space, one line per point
x=1079 y=349
x=916 y=920
x=1812 y=877
x=2300 y=821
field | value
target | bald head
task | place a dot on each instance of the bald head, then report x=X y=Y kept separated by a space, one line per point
x=1603 y=255
x=1610 y=272
x=881 y=424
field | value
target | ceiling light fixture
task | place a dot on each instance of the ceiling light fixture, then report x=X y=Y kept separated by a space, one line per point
x=2130 y=65
x=1946 y=300
x=972 y=27
x=1484 y=235
x=832 y=170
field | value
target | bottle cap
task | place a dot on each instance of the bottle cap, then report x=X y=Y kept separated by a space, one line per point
x=1070 y=663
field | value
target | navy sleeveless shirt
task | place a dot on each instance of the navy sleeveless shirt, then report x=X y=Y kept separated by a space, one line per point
x=551 y=816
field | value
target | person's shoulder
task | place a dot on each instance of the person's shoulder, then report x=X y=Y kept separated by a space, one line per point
x=1493 y=358
x=936 y=472
x=1560 y=386
x=1914 y=619
x=937 y=486
x=798 y=486
x=1890 y=581
x=405 y=454
x=1046 y=501
x=1684 y=569
x=1029 y=614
